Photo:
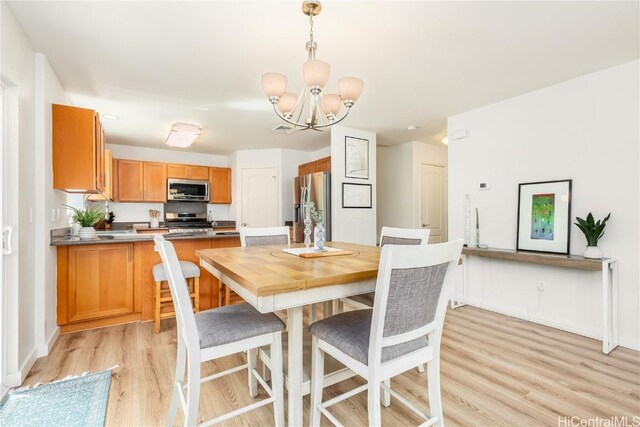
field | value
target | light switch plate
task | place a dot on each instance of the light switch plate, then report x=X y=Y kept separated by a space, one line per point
x=484 y=185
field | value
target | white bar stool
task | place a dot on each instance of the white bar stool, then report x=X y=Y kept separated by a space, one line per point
x=162 y=293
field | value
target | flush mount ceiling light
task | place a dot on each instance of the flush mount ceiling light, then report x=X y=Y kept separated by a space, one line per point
x=183 y=134
x=323 y=109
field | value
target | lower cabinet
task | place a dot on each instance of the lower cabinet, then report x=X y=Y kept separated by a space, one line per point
x=109 y=284
x=99 y=281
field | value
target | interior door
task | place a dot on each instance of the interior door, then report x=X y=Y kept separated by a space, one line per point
x=259 y=197
x=433 y=202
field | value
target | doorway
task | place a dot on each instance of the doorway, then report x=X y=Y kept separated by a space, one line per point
x=6 y=242
x=259 y=197
x=433 y=201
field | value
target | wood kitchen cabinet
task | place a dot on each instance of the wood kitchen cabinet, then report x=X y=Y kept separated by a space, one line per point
x=78 y=141
x=320 y=165
x=112 y=283
x=108 y=191
x=95 y=281
x=220 y=185
x=141 y=181
x=155 y=182
x=130 y=181
x=188 y=172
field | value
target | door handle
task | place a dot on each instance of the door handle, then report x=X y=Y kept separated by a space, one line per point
x=7 y=232
x=244 y=224
x=426 y=225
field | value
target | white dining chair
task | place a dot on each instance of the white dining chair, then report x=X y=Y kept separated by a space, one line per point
x=261 y=236
x=388 y=236
x=216 y=333
x=402 y=331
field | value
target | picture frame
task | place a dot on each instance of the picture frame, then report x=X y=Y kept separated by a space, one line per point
x=544 y=217
x=356 y=157
x=357 y=196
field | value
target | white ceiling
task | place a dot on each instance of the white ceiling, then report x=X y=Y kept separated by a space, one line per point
x=155 y=63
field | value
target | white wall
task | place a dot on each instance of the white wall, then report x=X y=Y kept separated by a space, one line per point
x=139 y=212
x=399 y=191
x=18 y=76
x=586 y=129
x=351 y=225
x=395 y=186
x=47 y=91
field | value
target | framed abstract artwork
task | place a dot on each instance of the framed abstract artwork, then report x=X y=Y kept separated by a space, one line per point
x=544 y=217
x=356 y=158
x=357 y=195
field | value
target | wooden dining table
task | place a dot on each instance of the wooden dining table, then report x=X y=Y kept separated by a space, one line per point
x=271 y=280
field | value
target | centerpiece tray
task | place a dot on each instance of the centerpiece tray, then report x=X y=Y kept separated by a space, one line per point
x=313 y=253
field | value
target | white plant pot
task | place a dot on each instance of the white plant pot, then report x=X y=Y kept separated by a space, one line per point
x=87 y=232
x=154 y=223
x=593 y=252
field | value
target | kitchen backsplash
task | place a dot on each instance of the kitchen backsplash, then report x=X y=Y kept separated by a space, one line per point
x=139 y=212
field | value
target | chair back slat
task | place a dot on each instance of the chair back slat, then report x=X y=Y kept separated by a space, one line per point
x=262 y=236
x=186 y=322
x=412 y=292
x=404 y=236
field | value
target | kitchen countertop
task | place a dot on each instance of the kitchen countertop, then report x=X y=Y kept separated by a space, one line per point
x=134 y=237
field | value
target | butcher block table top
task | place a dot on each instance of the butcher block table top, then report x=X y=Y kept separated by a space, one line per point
x=267 y=270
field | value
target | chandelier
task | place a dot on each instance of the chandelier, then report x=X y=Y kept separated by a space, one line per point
x=311 y=109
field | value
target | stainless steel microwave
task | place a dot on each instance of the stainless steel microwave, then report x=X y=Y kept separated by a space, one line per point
x=187 y=190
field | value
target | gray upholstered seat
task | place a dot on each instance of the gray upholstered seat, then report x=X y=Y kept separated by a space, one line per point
x=188 y=268
x=349 y=332
x=234 y=323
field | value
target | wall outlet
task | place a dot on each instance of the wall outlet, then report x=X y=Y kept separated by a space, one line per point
x=53 y=215
x=541 y=286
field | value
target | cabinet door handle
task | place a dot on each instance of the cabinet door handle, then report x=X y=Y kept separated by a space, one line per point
x=426 y=225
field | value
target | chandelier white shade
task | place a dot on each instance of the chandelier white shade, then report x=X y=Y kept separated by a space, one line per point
x=311 y=109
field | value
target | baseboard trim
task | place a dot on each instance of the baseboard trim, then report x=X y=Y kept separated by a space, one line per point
x=17 y=378
x=45 y=349
x=547 y=321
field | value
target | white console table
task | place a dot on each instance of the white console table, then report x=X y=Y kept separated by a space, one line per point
x=608 y=267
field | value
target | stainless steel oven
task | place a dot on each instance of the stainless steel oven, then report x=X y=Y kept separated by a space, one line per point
x=187 y=190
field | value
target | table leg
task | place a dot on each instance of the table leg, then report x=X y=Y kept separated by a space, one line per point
x=609 y=306
x=295 y=368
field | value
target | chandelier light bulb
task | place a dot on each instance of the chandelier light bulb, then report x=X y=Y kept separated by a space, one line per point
x=274 y=84
x=316 y=73
x=331 y=104
x=287 y=102
x=350 y=89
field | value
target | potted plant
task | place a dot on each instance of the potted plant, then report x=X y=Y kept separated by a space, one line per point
x=593 y=231
x=86 y=218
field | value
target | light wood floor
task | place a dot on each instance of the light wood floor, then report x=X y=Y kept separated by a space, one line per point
x=496 y=370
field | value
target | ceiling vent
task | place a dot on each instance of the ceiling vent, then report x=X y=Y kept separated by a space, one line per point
x=284 y=128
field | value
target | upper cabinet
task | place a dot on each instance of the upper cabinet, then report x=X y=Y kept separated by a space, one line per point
x=78 y=150
x=138 y=181
x=155 y=182
x=320 y=165
x=220 y=185
x=108 y=191
x=187 y=172
x=130 y=181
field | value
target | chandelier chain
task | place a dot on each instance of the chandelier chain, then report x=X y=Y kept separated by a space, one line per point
x=311 y=25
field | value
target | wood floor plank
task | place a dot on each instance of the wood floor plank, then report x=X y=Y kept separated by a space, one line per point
x=496 y=371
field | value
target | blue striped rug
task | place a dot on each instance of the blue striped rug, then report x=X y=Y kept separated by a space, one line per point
x=79 y=401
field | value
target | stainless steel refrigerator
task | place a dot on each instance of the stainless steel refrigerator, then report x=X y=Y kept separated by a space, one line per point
x=316 y=188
